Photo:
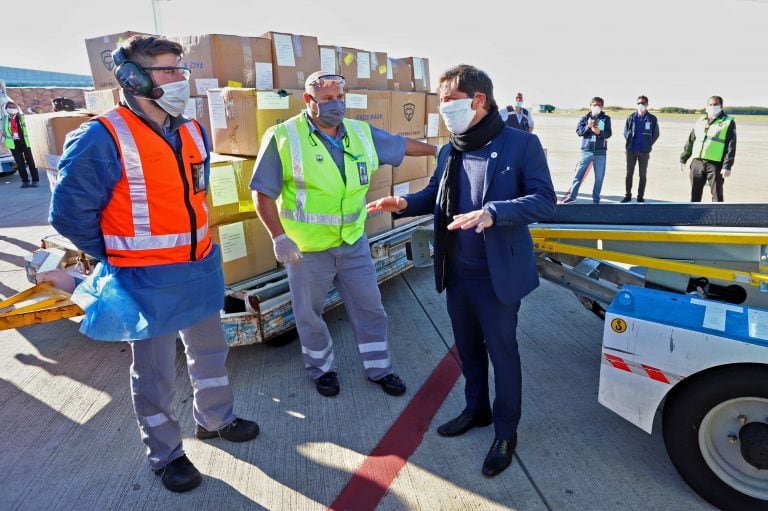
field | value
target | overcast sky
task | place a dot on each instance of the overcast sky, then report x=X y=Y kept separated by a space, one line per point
x=563 y=52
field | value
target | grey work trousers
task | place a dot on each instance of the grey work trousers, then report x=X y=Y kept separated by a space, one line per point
x=350 y=269
x=153 y=374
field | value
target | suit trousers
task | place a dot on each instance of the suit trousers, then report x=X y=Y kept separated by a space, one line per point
x=153 y=374
x=642 y=161
x=483 y=326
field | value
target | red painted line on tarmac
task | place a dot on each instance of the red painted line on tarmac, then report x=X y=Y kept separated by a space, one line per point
x=372 y=480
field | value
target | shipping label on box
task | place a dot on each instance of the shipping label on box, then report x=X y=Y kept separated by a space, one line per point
x=229 y=195
x=246 y=249
x=101 y=100
x=369 y=106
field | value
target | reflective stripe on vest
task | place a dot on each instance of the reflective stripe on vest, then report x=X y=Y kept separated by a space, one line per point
x=145 y=245
x=335 y=212
x=710 y=138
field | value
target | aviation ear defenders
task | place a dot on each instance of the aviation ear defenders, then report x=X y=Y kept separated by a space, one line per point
x=132 y=78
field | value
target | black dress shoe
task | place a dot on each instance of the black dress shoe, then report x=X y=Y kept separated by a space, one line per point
x=328 y=384
x=640 y=199
x=499 y=457
x=180 y=475
x=626 y=199
x=239 y=430
x=464 y=423
x=391 y=384
x=25 y=185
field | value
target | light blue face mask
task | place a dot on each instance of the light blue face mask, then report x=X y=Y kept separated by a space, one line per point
x=331 y=113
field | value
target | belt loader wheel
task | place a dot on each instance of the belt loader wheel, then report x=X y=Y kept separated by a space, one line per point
x=716 y=434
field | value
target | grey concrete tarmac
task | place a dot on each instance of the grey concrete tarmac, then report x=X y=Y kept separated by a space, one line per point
x=71 y=440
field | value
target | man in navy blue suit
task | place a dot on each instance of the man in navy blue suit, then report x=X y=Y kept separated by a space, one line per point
x=489 y=184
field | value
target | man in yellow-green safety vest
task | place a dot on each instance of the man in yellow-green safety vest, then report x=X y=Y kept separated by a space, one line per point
x=712 y=143
x=309 y=186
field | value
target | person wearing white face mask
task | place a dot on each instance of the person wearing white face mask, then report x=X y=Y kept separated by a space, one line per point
x=13 y=131
x=490 y=183
x=594 y=129
x=641 y=130
x=712 y=143
x=517 y=116
x=131 y=191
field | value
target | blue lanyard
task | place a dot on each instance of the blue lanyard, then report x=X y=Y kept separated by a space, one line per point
x=337 y=144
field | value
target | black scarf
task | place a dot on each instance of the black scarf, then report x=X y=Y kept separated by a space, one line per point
x=474 y=138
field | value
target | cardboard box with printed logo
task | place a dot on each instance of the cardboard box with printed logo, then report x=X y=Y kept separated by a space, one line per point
x=229 y=197
x=220 y=60
x=407 y=113
x=294 y=58
x=240 y=117
x=246 y=249
x=99 y=50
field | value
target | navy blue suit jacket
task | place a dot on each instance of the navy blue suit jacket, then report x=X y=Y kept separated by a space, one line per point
x=518 y=188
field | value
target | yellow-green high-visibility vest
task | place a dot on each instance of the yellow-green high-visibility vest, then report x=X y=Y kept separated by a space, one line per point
x=8 y=136
x=318 y=210
x=710 y=138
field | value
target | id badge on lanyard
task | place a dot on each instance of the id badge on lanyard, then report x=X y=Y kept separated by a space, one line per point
x=198 y=177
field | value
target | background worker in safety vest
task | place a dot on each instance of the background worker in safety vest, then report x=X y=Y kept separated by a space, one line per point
x=309 y=184
x=489 y=184
x=14 y=133
x=131 y=191
x=519 y=117
x=712 y=143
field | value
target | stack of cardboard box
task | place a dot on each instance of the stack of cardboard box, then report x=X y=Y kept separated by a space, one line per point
x=242 y=86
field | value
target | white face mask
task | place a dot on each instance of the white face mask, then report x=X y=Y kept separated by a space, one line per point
x=12 y=111
x=174 y=98
x=596 y=111
x=713 y=110
x=457 y=115
x=641 y=109
x=519 y=103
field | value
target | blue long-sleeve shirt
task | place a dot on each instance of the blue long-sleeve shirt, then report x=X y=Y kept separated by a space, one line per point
x=126 y=303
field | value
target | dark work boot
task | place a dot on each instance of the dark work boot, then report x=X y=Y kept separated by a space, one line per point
x=179 y=475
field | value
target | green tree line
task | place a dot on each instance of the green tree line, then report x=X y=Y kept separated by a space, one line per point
x=734 y=110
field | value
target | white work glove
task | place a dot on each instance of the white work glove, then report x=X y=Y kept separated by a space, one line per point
x=727 y=173
x=682 y=167
x=285 y=249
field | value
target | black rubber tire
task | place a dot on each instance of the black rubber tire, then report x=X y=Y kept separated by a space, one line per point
x=682 y=417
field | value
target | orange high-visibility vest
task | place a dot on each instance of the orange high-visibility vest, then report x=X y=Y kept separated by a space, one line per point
x=155 y=216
